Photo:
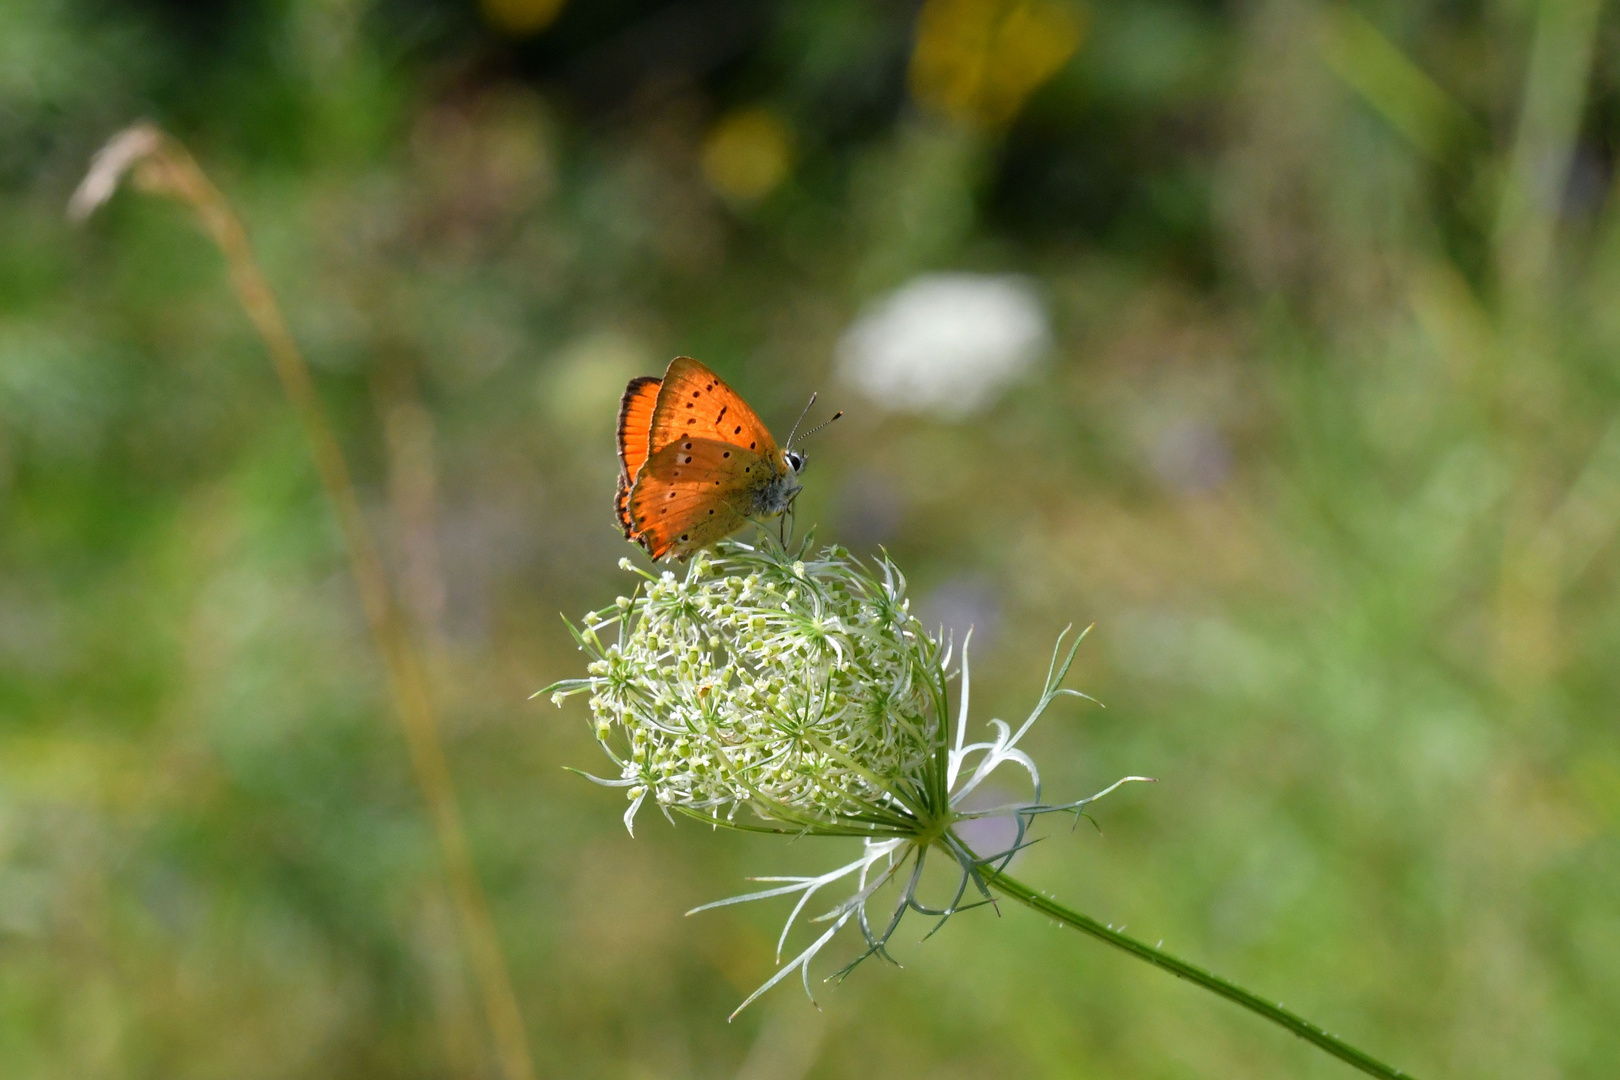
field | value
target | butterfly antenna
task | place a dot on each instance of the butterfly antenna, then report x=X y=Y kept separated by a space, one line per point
x=800 y=420
x=823 y=424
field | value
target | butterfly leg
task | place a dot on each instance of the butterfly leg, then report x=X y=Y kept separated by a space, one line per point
x=790 y=518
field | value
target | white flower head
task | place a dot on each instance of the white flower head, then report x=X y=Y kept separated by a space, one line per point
x=802 y=691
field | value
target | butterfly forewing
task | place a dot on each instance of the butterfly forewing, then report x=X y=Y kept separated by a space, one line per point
x=694 y=402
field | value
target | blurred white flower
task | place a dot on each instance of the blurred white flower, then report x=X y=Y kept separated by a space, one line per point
x=945 y=344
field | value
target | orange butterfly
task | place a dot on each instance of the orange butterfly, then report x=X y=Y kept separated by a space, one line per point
x=695 y=463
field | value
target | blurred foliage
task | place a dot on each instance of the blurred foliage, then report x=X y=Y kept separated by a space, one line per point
x=1328 y=447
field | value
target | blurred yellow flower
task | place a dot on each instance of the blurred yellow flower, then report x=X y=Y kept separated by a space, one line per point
x=521 y=17
x=748 y=153
x=977 y=61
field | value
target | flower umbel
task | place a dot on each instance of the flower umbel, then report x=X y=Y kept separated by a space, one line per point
x=803 y=690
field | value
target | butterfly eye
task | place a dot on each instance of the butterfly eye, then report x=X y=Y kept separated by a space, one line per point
x=795 y=461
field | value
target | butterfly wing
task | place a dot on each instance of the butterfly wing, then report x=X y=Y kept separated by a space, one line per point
x=635 y=431
x=692 y=493
x=695 y=403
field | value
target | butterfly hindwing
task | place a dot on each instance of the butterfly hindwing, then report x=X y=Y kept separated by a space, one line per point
x=694 y=402
x=692 y=493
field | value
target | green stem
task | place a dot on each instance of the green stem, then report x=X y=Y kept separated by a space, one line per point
x=1194 y=974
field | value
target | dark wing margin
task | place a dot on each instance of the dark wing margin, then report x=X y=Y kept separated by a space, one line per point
x=621 y=509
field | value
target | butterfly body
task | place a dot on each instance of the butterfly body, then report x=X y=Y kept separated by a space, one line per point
x=696 y=463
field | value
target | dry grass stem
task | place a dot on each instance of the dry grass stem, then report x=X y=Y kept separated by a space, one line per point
x=159 y=164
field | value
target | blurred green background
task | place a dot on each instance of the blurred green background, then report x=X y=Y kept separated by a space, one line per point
x=1303 y=387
